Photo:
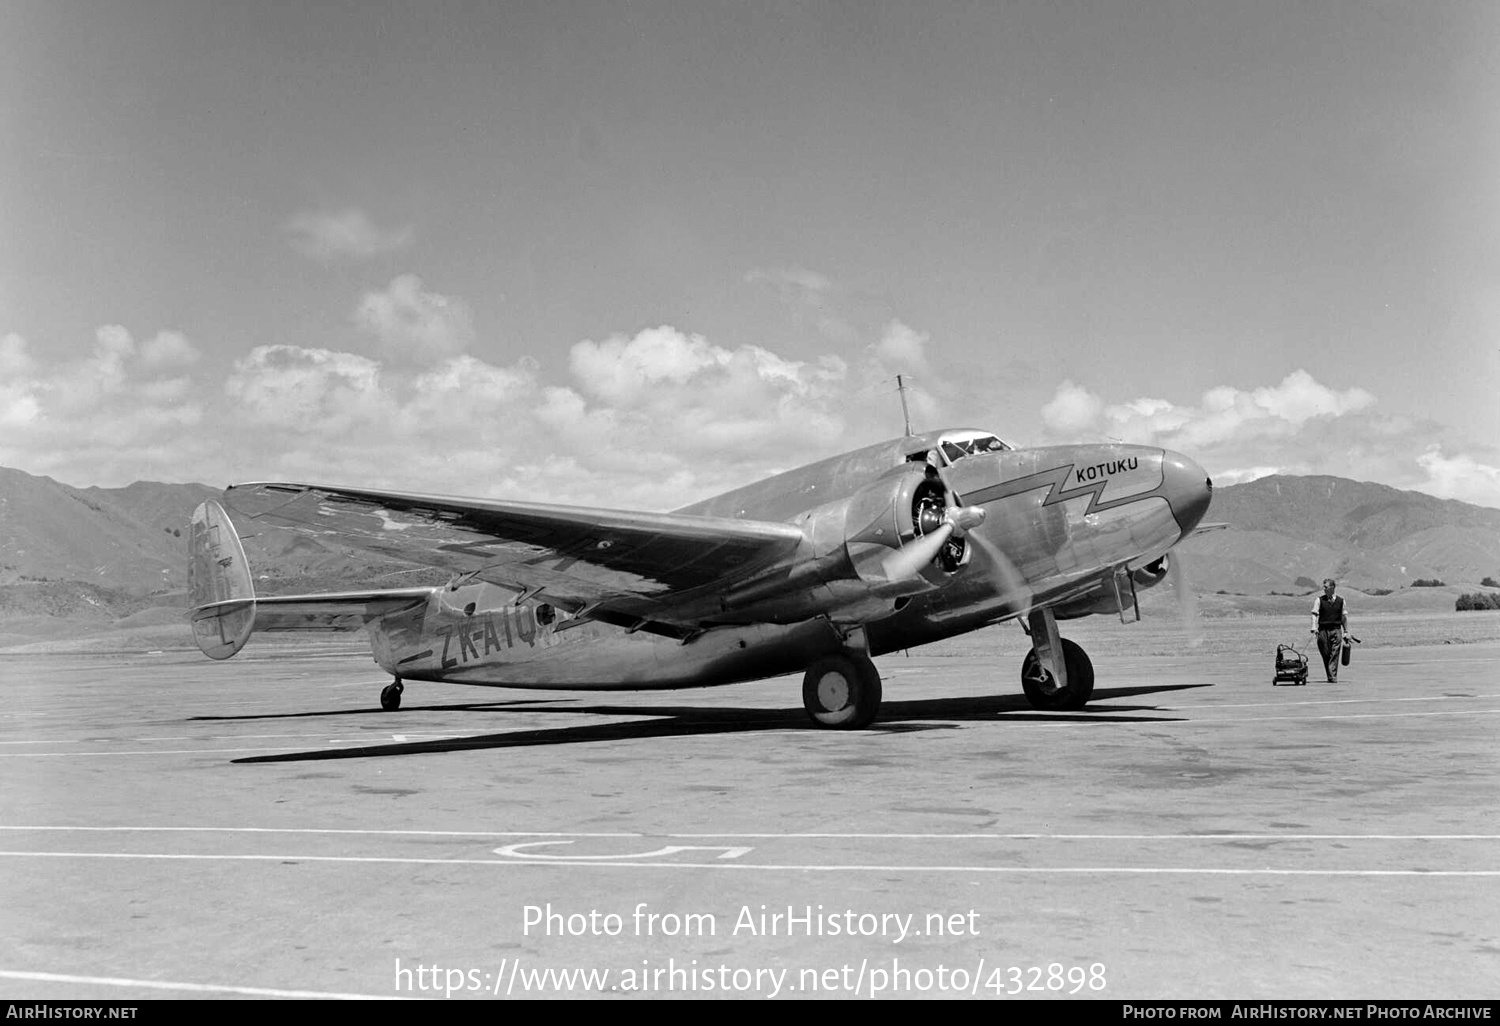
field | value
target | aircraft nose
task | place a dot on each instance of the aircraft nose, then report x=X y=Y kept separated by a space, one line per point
x=1188 y=489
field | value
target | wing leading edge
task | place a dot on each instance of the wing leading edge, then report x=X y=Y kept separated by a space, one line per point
x=618 y=566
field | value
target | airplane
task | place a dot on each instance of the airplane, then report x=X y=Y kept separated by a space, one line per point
x=816 y=570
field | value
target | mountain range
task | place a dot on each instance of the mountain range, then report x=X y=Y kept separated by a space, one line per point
x=99 y=554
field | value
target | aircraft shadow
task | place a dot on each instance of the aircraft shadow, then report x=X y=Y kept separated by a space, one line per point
x=1003 y=703
x=374 y=710
x=689 y=721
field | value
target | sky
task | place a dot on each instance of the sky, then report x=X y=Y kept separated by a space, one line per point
x=635 y=254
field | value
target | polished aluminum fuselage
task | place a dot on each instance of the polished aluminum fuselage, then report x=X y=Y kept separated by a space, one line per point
x=1069 y=519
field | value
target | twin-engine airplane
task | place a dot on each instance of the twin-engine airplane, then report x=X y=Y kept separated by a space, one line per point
x=817 y=569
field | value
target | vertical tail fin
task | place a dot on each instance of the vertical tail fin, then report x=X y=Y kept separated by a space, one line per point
x=219 y=587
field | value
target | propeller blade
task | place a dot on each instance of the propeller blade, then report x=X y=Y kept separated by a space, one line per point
x=952 y=498
x=1187 y=601
x=1010 y=582
x=908 y=560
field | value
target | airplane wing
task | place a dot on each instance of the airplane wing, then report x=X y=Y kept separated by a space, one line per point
x=639 y=570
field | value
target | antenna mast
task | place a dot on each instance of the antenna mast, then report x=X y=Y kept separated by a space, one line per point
x=905 y=414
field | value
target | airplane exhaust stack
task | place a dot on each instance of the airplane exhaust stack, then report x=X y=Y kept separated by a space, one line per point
x=219 y=586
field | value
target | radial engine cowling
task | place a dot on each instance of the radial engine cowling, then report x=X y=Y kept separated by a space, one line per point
x=852 y=542
x=905 y=505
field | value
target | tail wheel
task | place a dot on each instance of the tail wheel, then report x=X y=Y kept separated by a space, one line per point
x=1041 y=686
x=841 y=692
x=390 y=696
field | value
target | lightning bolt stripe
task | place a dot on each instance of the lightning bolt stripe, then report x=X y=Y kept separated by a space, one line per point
x=1055 y=481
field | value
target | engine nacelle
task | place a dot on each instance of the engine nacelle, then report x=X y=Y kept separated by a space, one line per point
x=1153 y=573
x=1104 y=599
x=892 y=512
x=842 y=570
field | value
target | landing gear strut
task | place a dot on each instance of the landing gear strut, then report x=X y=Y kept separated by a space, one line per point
x=1042 y=689
x=842 y=691
x=1056 y=673
x=390 y=695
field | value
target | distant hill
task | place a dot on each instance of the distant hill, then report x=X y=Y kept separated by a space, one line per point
x=123 y=538
x=93 y=556
x=1364 y=535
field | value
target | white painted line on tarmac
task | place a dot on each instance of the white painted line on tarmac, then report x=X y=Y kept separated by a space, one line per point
x=195 y=988
x=1041 y=719
x=1107 y=837
x=791 y=867
x=164 y=751
x=226 y=737
x=1342 y=701
x=334 y=830
x=1340 y=716
x=756 y=836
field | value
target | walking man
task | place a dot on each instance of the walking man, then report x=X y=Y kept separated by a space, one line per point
x=1330 y=624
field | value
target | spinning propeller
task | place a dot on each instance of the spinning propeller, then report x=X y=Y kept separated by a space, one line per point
x=1187 y=602
x=958 y=521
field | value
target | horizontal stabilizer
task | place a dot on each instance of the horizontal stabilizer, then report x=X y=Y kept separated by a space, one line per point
x=334 y=611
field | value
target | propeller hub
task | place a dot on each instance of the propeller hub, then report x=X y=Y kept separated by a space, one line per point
x=930 y=517
x=964 y=518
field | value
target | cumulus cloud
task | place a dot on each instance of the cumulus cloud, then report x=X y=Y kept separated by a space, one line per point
x=280 y=386
x=622 y=370
x=349 y=233
x=113 y=407
x=740 y=402
x=1296 y=426
x=19 y=404
x=413 y=325
x=903 y=348
x=1073 y=410
x=167 y=351
x=1224 y=412
x=645 y=420
x=1459 y=477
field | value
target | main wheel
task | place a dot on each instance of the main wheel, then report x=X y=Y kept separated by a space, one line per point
x=842 y=692
x=390 y=696
x=1041 y=686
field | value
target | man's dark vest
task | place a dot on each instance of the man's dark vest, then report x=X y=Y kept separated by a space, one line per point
x=1330 y=612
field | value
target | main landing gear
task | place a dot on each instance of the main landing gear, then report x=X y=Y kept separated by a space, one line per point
x=842 y=691
x=1045 y=687
x=390 y=695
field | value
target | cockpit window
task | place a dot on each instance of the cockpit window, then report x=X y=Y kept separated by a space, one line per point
x=955 y=445
x=960 y=444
